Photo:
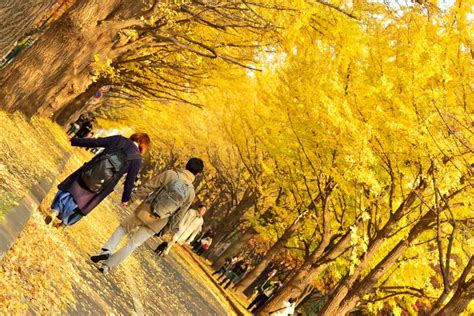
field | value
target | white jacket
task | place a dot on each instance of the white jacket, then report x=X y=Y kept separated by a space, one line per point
x=189 y=226
x=287 y=309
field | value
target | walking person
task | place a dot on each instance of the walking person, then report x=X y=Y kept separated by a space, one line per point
x=205 y=244
x=161 y=248
x=203 y=234
x=173 y=190
x=85 y=129
x=84 y=189
x=189 y=226
x=287 y=309
x=266 y=291
x=74 y=127
x=239 y=269
x=224 y=268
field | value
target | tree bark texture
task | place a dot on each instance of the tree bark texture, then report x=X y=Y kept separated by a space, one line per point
x=461 y=298
x=64 y=114
x=56 y=69
x=17 y=18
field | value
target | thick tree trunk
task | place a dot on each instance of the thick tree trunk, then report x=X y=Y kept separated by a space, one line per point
x=17 y=18
x=461 y=298
x=231 y=222
x=56 y=69
x=460 y=282
x=274 y=250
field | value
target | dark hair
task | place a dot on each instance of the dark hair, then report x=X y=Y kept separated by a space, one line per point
x=143 y=141
x=195 y=165
x=201 y=205
x=291 y=300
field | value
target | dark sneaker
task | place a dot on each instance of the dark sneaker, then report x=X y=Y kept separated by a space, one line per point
x=59 y=224
x=48 y=219
x=102 y=256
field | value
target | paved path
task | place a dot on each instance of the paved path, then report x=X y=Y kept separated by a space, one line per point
x=50 y=269
x=169 y=290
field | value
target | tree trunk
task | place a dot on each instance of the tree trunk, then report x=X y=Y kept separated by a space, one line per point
x=64 y=114
x=361 y=288
x=306 y=274
x=17 y=18
x=348 y=281
x=460 y=282
x=231 y=222
x=56 y=69
x=461 y=298
x=302 y=277
x=274 y=250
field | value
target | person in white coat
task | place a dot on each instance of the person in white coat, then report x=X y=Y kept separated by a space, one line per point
x=189 y=226
x=287 y=309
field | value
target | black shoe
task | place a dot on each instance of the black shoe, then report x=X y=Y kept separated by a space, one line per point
x=100 y=257
x=48 y=219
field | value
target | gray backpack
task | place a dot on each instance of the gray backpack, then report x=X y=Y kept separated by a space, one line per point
x=169 y=198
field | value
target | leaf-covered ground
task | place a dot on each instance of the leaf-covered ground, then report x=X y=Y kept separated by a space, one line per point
x=29 y=150
x=48 y=270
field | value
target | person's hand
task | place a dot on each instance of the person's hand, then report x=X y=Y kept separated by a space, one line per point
x=125 y=204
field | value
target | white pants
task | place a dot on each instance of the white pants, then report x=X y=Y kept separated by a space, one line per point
x=134 y=240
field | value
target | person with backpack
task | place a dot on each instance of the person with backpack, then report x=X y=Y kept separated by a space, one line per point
x=84 y=189
x=189 y=226
x=172 y=196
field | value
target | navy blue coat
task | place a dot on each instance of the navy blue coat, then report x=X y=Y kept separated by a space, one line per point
x=87 y=200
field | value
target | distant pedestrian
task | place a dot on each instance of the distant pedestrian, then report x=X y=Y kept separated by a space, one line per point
x=74 y=127
x=224 y=269
x=205 y=244
x=85 y=129
x=84 y=189
x=189 y=226
x=161 y=248
x=287 y=309
x=173 y=191
x=263 y=282
x=239 y=269
x=266 y=291
x=197 y=241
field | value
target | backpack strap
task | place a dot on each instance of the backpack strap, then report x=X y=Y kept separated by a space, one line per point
x=134 y=157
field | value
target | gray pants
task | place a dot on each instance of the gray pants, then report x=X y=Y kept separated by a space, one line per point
x=135 y=239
